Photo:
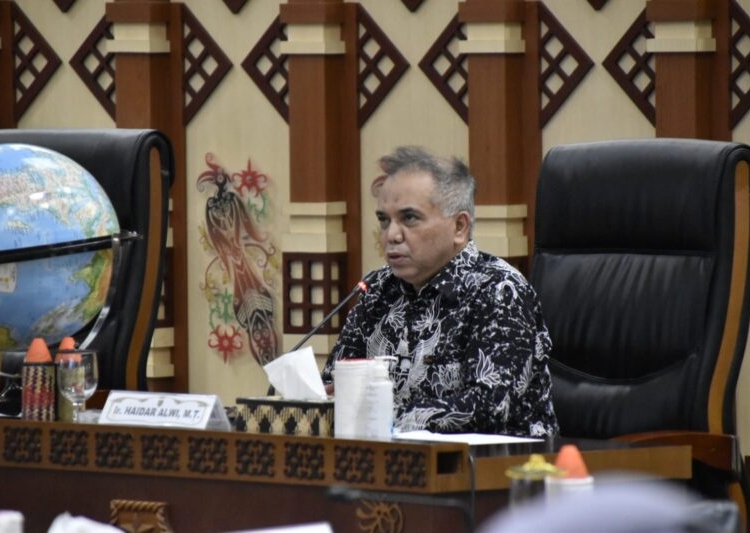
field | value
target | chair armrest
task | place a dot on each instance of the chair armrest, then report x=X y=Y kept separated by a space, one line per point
x=716 y=450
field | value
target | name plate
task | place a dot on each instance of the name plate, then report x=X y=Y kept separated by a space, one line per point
x=189 y=411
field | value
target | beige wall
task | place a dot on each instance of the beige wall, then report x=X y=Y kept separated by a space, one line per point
x=238 y=124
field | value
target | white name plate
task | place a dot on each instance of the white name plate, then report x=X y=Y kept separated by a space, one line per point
x=189 y=411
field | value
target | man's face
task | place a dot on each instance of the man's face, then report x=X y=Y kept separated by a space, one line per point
x=418 y=240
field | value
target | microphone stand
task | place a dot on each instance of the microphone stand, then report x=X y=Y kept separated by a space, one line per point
x=361 y=286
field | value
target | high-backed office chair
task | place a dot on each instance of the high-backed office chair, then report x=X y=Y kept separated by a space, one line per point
x=641 y=263
x=136 y=168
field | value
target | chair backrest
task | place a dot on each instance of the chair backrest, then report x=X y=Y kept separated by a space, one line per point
x=641 y=264
x=135 y=167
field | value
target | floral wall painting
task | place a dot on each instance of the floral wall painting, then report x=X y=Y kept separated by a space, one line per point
x=238 y=282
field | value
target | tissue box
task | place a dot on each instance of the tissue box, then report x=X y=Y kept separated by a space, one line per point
x=273 y=414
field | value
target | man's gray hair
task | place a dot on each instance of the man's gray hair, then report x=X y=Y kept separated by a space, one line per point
x=454 y=184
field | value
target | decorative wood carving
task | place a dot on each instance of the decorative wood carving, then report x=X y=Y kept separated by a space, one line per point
x=34 y=61
x=564 y=64
x=597 y=4
x=381 y=65
x=409 y=466
x=64 y=5
x=95 y=67
x=205 y=65
x=326 y=287
x=268 y=68
x=412 y=5
x=235 y=6
x=447 y=69
x=136 y=516
x=380 y=517
x=632 y=66
x=739 y=80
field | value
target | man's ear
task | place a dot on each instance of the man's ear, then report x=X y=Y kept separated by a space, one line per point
x=463 y=226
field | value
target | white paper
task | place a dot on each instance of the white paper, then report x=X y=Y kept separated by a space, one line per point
x=295 y=376
x=468 y=438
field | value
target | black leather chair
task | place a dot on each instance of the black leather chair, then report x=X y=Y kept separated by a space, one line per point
x=641 y=263
x=136 y=168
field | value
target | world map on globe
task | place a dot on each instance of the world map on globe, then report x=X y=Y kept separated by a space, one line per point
x=46 y=199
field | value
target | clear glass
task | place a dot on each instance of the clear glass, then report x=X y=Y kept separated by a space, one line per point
x=77 y=377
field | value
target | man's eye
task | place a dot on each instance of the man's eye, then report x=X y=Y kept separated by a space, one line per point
x=383 y=222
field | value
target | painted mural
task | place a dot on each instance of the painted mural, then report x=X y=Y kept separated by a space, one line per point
x=238 y=282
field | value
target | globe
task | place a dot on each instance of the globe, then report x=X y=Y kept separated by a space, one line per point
x=47 y=199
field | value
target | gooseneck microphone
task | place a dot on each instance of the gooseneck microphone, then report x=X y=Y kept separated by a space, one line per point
x=361 y=287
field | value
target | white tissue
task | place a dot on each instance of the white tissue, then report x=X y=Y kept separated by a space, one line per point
x=65 y=523
x=295 y=376
x=11 y=522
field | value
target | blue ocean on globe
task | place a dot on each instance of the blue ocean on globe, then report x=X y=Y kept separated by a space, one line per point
x=47 y=198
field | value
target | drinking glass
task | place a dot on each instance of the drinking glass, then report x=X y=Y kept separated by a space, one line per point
x=77 y=377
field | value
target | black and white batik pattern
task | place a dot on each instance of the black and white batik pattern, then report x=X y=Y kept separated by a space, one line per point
x=470 y=349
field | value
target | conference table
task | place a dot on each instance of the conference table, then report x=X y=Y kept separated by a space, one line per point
x=192 y=481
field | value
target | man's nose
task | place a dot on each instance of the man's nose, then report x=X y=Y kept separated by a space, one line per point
x=394 y=233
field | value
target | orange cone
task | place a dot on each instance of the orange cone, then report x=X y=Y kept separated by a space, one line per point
x=38 y=352
x=569 y=459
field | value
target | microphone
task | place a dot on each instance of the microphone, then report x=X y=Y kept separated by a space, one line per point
x=362 y=286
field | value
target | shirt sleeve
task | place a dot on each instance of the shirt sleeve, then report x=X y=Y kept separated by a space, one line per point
x=506 y=383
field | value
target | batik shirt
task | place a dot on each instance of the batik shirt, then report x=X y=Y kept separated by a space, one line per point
x=470 y=349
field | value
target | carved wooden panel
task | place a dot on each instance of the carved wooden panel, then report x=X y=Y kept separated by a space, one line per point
x=563 y=66
x=96 y=67
x=235 y=6
x=739 y=50
x=136 y=516
x=313 y=285
x=632 y=66
x=34 y=61
x=64 y=5
x=267 y=67
x=381 y=65
x=205 y=65
x=412 y=5
x=446 y=68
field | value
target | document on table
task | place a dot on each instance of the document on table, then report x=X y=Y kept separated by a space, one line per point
x=473 y=439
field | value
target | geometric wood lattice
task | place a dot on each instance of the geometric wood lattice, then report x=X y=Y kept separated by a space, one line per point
x=235 y=5
x=412 y=5
x=632 y=66
x=266 y=66
x=35 y=61
x=563 y=64
x=314 y=284
x=64 y=5
x=380 y=65
x=205 y=65
x=446 y=68
x=96 y=67
x=739 y=50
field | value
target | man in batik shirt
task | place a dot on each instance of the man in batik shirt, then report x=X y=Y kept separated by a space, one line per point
x=464 y=328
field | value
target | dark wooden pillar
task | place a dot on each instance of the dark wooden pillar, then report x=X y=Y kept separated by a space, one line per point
x=322 y=251
x=504 y=133
x=692 y=67
x=149 y=57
